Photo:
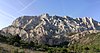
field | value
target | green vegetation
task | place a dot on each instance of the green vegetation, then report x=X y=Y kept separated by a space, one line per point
x=88 y=44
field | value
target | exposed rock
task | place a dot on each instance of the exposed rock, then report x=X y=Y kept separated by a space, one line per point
x=52 y=30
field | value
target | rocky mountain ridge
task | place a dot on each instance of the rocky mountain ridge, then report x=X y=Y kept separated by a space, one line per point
x=52 y=30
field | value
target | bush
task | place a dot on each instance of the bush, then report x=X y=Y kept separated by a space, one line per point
x=16 y=44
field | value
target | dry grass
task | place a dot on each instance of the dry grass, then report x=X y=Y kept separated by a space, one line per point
x=5 y=48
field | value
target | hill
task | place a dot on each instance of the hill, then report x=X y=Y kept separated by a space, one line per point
x=51 y=30
x=53 y=34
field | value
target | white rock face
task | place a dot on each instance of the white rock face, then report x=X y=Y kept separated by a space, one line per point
x=50 y=30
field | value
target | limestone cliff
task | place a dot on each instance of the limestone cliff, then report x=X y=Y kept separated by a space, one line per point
x=52 y=30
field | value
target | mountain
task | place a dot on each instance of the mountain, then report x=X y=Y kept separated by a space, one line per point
x=51 y=30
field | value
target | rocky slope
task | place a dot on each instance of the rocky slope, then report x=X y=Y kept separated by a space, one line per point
x=52 y=30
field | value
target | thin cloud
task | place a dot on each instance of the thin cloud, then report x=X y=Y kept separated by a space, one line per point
x=7 y=14
x=28 y=5
x=21 y=3
x=12 y=8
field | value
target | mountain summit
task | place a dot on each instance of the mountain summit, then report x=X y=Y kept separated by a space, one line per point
x=52 y=30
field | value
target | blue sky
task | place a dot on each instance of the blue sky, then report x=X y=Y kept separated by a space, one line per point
x=12 y=9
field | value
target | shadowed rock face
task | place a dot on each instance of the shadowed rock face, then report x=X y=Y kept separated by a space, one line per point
x=52 y=30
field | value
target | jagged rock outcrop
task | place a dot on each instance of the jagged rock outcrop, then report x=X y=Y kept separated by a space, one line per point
x=52 y=30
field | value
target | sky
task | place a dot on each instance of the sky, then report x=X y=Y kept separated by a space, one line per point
x=12 y=9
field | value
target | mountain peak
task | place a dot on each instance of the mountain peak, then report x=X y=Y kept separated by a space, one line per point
x=52 y=30
x=45 y=14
